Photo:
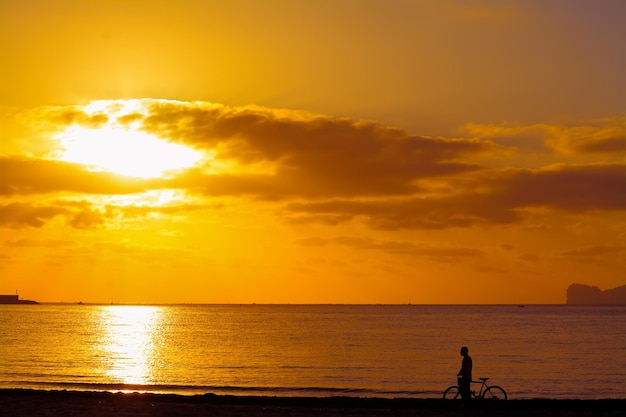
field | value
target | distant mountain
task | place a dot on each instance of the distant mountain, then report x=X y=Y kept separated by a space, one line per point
x=586 y=294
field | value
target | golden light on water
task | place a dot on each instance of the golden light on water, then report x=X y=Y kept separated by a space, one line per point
x=132 y=335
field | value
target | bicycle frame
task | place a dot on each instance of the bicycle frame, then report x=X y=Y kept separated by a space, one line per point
x=483 y=387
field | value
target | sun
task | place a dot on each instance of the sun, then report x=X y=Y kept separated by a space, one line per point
x=126 y=152
x=123 y=148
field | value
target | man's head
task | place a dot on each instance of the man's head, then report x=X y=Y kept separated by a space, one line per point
x=464 y=351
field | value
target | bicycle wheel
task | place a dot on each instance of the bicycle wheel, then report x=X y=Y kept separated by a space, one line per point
x=452 y=393
x=494 y=392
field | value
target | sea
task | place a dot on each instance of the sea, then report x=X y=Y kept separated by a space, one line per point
x=387 y=351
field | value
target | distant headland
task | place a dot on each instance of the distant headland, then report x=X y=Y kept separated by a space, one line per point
x=14 y=299
x=587 y=294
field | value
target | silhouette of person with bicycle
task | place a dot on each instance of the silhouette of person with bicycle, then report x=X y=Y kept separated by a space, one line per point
x=464 y=376
x=463 y=389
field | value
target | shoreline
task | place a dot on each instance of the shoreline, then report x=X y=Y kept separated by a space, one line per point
x=30 y=402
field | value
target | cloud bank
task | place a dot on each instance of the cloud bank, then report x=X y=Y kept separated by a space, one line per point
x=317 y=168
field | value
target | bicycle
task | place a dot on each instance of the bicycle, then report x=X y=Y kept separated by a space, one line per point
x=488 y=392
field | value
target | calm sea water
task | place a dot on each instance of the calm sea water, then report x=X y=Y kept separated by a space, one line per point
x=326 y=350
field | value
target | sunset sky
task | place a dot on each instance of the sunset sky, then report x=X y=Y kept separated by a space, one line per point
x=311 y=151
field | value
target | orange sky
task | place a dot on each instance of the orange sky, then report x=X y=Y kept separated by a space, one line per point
x=311 y=151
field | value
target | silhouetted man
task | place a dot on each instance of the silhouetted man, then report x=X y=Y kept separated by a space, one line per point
x=465 y=374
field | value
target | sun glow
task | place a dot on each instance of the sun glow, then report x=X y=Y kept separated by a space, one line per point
x=125 y=151
x=150 y=198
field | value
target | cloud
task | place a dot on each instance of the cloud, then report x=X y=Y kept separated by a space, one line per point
x=595 y=252
x=524 y=138
x=441 y=252
x=495 y=199
x=332 y=170
x=139 y=212
x=18 y=215
x=602 y=136
x=87 y=219
x=79 y=215
x=412 y=213
x=21 y=175
x=266 y=153
x=74 y=116
x=574 y=188
x=605 y=136
x=309 y=156
x=83 y=214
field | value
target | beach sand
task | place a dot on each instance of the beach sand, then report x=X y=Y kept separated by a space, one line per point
x=23 y=402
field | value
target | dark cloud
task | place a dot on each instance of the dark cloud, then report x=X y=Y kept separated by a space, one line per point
x=130 y=118
x=75 y=116
x=81 y=214
x=331 y=170
x=497 y=199
x=278 y=154
x=603 y=145
x=573 y=188
x=413 y=213
x=78 y=215
x=87 y=219
x=38 y=176
x=310 y=156
x=19 y=215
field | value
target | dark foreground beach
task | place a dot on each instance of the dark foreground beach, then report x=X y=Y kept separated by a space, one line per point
x=21 y=402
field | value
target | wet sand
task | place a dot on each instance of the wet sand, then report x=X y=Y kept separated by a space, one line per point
x=21 y=402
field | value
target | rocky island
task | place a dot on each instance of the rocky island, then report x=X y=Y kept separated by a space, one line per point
x=587 y=294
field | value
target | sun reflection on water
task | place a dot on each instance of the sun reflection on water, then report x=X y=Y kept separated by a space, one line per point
x=131 y=342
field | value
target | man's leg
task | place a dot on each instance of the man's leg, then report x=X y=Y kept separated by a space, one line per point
x=464 y=387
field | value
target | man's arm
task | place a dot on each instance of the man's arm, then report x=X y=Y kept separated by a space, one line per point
x=465 y=370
